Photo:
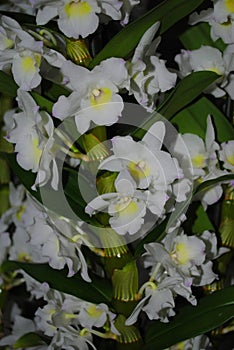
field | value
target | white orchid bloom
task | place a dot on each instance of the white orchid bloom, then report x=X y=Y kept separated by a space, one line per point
x=95 y=96
x=186 y=256
x=226 y=155
x=220 y=18
x=148 y=73
x=148 y=165
x=76 y=17
x=127 y=206
x=208 y=58
x=25 y=55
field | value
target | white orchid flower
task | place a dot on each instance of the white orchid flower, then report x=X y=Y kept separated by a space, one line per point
x=95 y=96
x=220 y=19
x=226 y=155
x=208 y=58
x=32 y=132
x=126 y=207
x=148 y=73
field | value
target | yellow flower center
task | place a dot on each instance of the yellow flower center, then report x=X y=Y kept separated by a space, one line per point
x=139 y=170
x=230 y=159
x=8 y=43
x=100 y=96
x=24 y=257
x=36 y=150
x=20 y=212
x=182 y=253
x=198 y=161
x=126 y=207
x=93 y=311
x=77 y=9
x=28 y=64
x=230 y=5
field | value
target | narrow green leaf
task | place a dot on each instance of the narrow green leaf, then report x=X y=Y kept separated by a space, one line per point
x=52 y=91
x=168 y=13
x=27 y=178
x=28 y=340
x=193 y=120
x=196 y=36
x=7 y=84
x=97 y=291
x=185 y=92
x=204 y=186
x=20 y=17
x=43 y=102
x=211 y=312
x=9 y=87
x=202 y=221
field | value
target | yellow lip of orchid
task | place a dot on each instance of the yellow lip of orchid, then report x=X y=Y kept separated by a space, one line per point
x=77 y=9
x=230 y=5
x=28 y=64
x=100 y=96
x=199 y=161
x=139 y=170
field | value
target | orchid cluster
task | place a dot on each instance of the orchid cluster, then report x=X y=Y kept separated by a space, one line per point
x=117 y=164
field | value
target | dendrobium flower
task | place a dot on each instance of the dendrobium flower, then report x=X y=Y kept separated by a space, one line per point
x=19 y=49
x=146 y=174
x=127 y=206
x=188 y=256
x=202 y=165
x=220 y=18
x=148 y=74
x=177 y=263
x=81 y=17
x=32 y=131
x=95 y=96
x=149 y=166
x=226 y=155
x=210 y=59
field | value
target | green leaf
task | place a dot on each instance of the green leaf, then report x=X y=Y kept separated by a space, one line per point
x=53 y=91
x=168 y=13
x=9 y=87
x=97 y=291
x=206 y=185
x=7 y=84
x=193 y=120
x=196 y=36
x=202 y=221
x=185 y=92
x=27 y=178
x=28 y=340
x=211 y=312
x=43 y=102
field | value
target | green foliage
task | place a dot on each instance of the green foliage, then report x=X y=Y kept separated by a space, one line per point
x=193 y=120
x=184 y=93
x=28 y=340
x=168 y=13
x=96 y=291
x=211 y=312
x=194 y=37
